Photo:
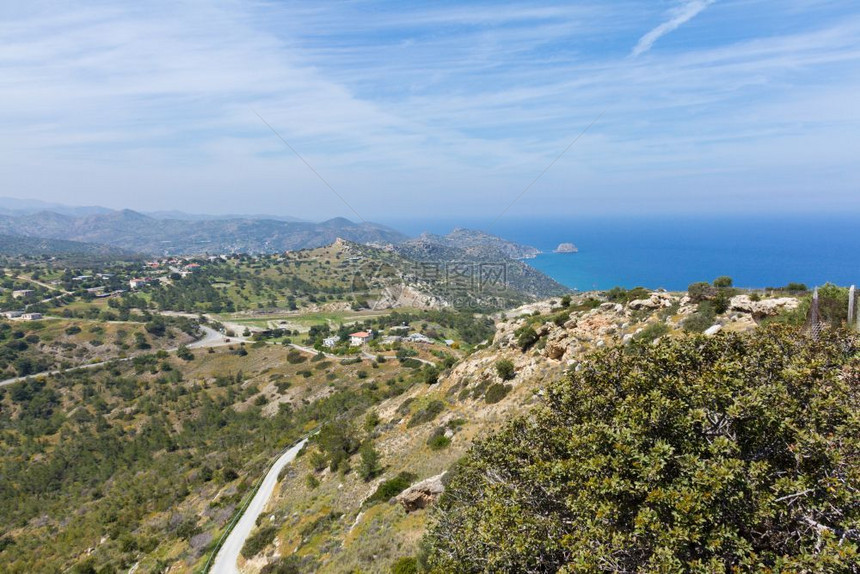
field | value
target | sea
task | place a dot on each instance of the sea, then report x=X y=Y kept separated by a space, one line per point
x=672 y=252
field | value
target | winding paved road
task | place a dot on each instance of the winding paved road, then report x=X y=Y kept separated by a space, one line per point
x=228 y=556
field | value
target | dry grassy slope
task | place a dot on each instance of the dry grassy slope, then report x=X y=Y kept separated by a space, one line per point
x=372 y=539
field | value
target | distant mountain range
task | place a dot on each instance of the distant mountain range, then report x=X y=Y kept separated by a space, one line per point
x=17 y=207
x=135 y=231
x=30 y=227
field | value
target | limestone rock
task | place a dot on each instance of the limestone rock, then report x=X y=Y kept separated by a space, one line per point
x=713 y=330
x=763 y=308
x=655 y=301
x=422 y=494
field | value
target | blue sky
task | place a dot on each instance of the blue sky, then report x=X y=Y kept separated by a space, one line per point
x=433 y=109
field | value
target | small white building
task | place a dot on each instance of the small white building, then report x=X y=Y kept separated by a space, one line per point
x=31 y=316
x=360 y=338
x=13 y=314
x=330 y=342
x=138 y=282
x=419 y=338
x=21 y=293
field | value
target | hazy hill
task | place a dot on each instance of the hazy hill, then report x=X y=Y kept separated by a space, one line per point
x=15 y=245
x=135 y=231
x=484 y=252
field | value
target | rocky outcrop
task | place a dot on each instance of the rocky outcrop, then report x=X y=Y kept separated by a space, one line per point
x=763 y=308
x=422 y=494
x=657 y=300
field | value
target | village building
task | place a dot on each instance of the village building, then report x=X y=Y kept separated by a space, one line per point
x=21 y=293
x=139 y=282
x=360 y=338
x=330 y=342
x=31 y=316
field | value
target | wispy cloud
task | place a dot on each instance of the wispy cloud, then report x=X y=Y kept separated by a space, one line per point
x=677 y=18
x=404 y=107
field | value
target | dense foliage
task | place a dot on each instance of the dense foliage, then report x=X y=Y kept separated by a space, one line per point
x=731 y=453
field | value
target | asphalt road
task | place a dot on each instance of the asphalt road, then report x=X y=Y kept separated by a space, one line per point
x=225 y=561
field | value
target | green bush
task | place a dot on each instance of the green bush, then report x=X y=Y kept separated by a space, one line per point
x=723 y=282
x=526 y=337
x=391 y=488
x=699 y=321
x=738 y=453
x=699 y=292
x=438 y=440
x=406 y=565
x=427 y=414
x=258 y=540
x=369 y=467
x=652 y=331
x=286 y=565
x=505 y=369
x=496 y=392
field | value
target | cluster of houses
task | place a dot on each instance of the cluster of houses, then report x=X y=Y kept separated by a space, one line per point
x=138 y=282
x=355 y=339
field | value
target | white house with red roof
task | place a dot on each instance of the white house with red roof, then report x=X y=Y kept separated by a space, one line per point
x=360 y=338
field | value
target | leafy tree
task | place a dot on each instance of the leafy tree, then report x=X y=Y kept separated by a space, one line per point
x=723 y=282
x=723 y=454
x=369 y=467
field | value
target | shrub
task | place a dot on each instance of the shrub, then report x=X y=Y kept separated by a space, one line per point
x=699 y=321
x=406 y=565
x=526 y=337
x=723 y=282
x=427 y=414
x=705 y=454
x=438 y=440
x=699 y=292
x=286 y=565
x=294 y=357
x=369 y=467
x=258 y=540
x=391 y=488
x=505 y=369
x=496 y=392
x=184 y=353
x=652 y=331
x=430 y=375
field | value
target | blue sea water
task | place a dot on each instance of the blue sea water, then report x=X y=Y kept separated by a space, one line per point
x=672 y=252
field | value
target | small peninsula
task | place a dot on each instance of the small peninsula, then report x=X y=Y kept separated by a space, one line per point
x=566 y=248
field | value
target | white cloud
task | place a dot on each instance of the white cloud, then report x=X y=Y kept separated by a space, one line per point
x=678 y=17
